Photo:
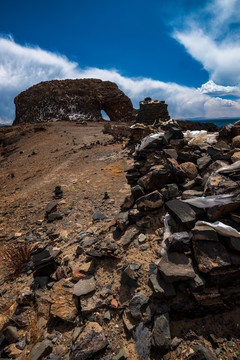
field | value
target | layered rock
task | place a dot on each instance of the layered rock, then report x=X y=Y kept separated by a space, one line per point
x=78 y=99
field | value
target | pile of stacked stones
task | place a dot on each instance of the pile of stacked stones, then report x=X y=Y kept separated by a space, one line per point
x=199 y=270
x=151 y=111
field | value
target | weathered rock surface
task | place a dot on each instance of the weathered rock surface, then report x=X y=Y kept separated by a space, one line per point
x=62 y=302
x=62 y=99
x=175 y=267
x=41 y=350
x=182 y=213
x=161 y=336
x=84 y=286
x=151 y=201
x=89 y=342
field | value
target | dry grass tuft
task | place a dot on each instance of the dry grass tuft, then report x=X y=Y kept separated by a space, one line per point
x=13 y=258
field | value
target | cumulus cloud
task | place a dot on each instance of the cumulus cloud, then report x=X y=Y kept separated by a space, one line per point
x=214 y=41
x=23 y=66
x=213 y=89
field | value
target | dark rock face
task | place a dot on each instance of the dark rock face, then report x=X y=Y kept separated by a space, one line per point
x=78 y=99
x=152 y=110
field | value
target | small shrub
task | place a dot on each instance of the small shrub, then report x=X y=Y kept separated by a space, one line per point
x=13 y=258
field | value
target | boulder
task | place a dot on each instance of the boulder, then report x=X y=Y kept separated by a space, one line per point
x=236 y=141
x=11 y=334
x=189 y=169
x=203 y=162
x=236 y=156
x=136 y=304
x=180 y=242
x=129 y=236
x=209 y=253
x=62 y=303
x=160 y=287
x=156 y=179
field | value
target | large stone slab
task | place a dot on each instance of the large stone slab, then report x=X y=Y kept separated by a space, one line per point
x=151 y=201
x=182 y=213
x=176 y=267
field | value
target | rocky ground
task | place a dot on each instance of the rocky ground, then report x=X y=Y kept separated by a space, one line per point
x=92 y=285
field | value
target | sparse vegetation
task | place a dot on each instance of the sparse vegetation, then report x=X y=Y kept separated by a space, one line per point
x=13 y=258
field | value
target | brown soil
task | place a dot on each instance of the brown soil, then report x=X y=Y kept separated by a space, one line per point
x=83 y=161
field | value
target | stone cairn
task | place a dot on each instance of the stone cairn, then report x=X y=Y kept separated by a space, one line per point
x=151 y=111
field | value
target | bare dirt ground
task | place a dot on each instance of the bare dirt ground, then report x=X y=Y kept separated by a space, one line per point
x=81 y=159
x=86 y=164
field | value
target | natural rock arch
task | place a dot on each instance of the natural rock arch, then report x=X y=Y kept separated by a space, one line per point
x=71 y=99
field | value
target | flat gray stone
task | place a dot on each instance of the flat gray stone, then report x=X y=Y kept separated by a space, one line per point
x=204 y=162
x=41 y=350
x=161 y=337
x=129 y=236
x=84 y=286
x=160 y=287
x=136 y=304
x=98 y=215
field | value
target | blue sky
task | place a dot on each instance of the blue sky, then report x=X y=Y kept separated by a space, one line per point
x=185 y=52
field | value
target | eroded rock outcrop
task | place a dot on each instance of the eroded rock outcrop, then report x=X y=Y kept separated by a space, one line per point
x=79 y=99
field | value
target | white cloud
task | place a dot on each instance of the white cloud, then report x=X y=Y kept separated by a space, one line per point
x=213 y=42
x=213 y=89
x=24 y=66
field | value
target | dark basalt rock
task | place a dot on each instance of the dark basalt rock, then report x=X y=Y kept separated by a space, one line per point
x=176 y=267
x=61 y=99
x=160 y=287
x=182 y=213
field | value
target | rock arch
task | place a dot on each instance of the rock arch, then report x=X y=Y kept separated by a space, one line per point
x=71 y=99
